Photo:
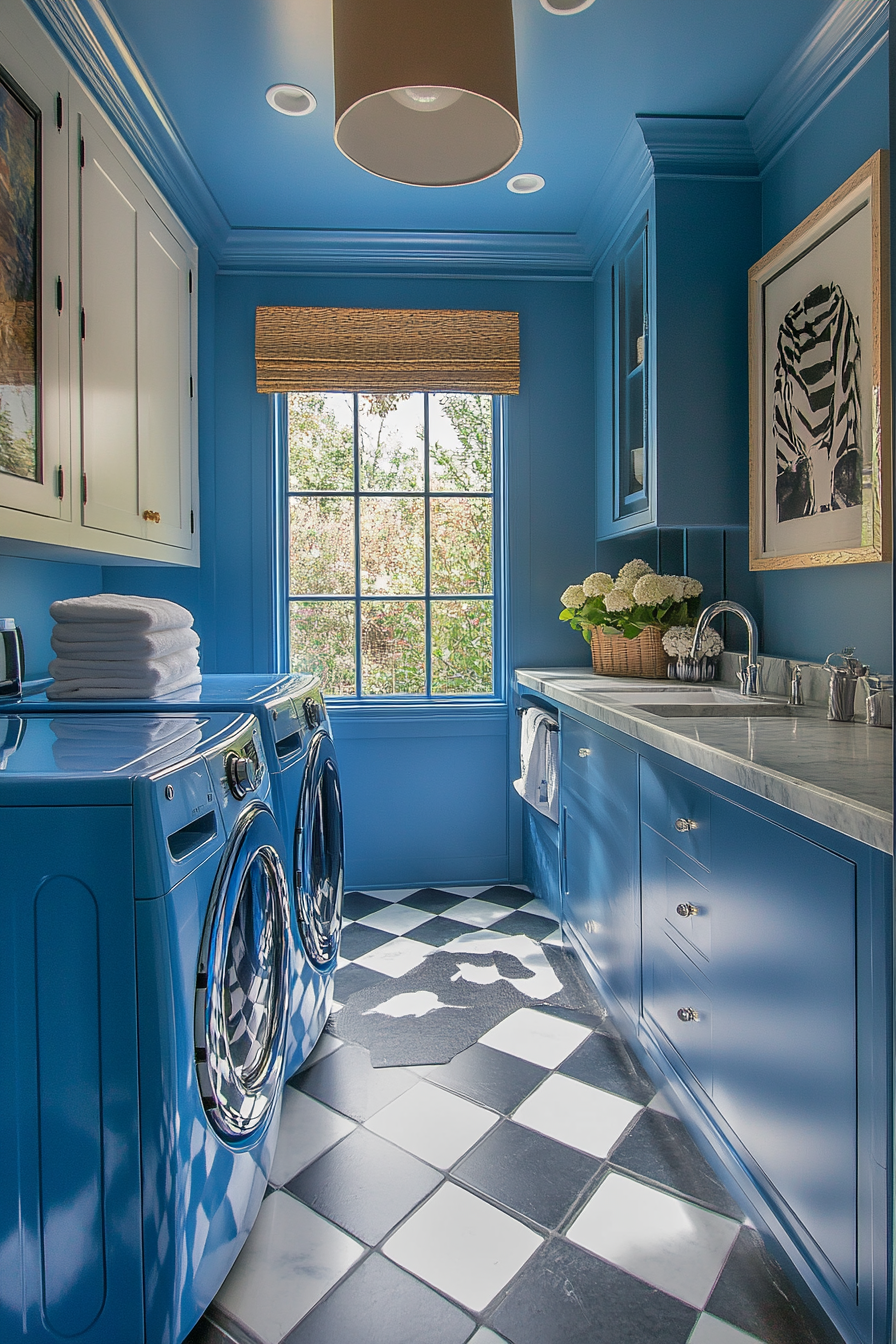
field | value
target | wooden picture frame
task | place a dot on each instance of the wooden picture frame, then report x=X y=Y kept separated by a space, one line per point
x=819 y=331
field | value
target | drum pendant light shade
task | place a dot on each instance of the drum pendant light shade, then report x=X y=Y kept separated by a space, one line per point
x=426 y=89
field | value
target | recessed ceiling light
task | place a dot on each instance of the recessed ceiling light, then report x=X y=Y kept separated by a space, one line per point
x=291 y=99
x=525 y=183
x=566 y=6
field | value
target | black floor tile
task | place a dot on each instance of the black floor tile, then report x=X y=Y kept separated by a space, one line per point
x=511 y=896
x=604 y=1061
x=206 y=1332
x=360 y=938
x=439 y=931
x=347 y=1082
x=433 y=900
x=528 y=1173
x=365 y=1185
x=351 y=979
x=357 y=904
x=380 y=1304
x=521 y=921
x=597 y=1021
x=566 y=1296
x=660 y=1148
x=490 y=1077
x=754 y=1294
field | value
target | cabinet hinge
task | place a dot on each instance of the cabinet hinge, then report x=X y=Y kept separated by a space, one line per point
x=192 y=523
x=83 y=487
x=83 y=154
x=59 y=118
x=60 y=294
x=190 y=282
x=60 y=483
x=83 y=325
x=191 y=385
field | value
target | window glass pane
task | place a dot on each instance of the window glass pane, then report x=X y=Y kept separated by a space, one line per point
x=321 y=545
x=461 y=648
x=393 y=648
x=390 y=441
x=460 y=442
x=321 y=440
x=393 y=549
x=461 y=545
x=322 y=639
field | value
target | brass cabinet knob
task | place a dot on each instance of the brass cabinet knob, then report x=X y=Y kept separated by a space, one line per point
x=584 y=751
x=685 y=824
x=686 y=909
x=687 y=1014
x=150 y=517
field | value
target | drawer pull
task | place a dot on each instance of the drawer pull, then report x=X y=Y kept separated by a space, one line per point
x=686 y=909
x=687 y=1014
x=584 y=751
x=150 y=517
x=685 y=824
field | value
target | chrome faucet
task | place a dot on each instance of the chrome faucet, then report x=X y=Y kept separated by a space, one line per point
x=750 y=675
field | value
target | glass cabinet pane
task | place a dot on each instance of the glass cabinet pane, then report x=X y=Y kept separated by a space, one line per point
x=630 y=293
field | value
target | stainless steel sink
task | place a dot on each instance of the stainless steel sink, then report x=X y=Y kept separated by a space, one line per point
x=745 y=708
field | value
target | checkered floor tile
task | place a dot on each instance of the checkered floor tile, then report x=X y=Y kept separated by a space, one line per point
x=535 y=1190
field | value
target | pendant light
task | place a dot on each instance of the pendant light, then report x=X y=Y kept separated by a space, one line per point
x=426 y=89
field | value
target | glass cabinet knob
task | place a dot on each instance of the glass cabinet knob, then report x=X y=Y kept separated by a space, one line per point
x=685 y=824
x=686 y=909
x=687 y=1014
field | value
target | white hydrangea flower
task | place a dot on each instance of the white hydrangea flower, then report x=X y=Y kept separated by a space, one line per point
x=692 y=587
x=597 y=585
x=652 y=589
x=678 y=640
x=574 y=596
x=630 y=573
x=618 y=599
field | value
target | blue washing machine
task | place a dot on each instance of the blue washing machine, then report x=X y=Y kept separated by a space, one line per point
x=145 y=959
x=306 y=800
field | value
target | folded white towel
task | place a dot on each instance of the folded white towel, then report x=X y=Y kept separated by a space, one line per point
x=171 y=668
x=78 y=640
x=539 y=784
x=130 y=615
x=123 y=689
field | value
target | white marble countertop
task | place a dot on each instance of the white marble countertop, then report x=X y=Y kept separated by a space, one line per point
x=838 y=774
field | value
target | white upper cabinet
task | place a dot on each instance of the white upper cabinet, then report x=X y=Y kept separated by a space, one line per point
x=116 y=471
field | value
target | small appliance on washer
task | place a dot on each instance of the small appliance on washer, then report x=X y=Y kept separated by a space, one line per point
x=145 y=952
x=306 y=800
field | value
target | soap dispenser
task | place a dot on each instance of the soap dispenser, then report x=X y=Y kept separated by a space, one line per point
x=12 y=658
x=844 y=680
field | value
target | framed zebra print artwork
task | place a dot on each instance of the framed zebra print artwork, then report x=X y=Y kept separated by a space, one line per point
x=820 y=473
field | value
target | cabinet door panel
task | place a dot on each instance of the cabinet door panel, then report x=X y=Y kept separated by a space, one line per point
x=110 y=210
x=784 y=992
x=677 y=1002
x=601 y=861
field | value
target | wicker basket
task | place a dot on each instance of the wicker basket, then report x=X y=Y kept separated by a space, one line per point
x=616 y=656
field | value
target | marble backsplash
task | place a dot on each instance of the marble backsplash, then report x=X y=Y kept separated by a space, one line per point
x=776 y=677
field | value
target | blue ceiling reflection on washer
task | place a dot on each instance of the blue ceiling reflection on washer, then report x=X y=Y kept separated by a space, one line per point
x=581 y=78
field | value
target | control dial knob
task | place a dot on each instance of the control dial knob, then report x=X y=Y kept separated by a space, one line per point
x=242 y=774
x=313 y=712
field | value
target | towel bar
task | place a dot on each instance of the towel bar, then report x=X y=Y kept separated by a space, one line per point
x=551 y=727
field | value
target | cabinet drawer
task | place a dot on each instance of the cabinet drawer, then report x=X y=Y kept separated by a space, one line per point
x=677 y=810
x=580 y=751
x=679 y=1006
x=688 y=909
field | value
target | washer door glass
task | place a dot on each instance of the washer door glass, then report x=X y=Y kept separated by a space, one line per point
x=241 y=987
x=318 y=854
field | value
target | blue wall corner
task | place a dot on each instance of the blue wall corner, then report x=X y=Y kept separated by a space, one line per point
x=27 y=587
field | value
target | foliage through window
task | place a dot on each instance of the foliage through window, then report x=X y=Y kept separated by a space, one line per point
x=391 y=542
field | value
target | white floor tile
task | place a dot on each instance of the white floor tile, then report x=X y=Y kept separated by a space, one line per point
x=485 y=1336
x=396 y=918
x=342 y=961
x=336 y=1007
x=710 y=1330
x=325 y=1046
x=538 y=1037
x=554 y=939
x=462 y=1246
x=481 y=914
x=538 y=907
x=398 y=894
x=307 y=1129
x=434 y=1125
x=669 y=1242
x=664 y=1102
x=395 y=958
x=291 y=1259
x=575 y=1114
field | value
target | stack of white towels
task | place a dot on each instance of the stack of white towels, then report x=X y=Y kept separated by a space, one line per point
x=111 y=647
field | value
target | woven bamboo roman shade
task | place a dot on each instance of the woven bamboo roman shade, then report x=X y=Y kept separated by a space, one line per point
x=386 y=350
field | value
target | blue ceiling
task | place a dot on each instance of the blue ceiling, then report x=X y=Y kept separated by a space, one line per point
x=581 y=79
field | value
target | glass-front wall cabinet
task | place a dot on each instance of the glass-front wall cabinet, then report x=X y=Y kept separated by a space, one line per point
x=631 y=391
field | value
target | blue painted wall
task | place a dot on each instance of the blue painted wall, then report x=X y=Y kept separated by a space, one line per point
x=807 y=613
x=27 y=587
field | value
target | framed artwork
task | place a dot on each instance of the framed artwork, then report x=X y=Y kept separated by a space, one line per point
x=20 y=128
x=820 y=470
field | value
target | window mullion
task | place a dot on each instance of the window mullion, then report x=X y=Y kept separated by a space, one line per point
x=427 y=538
x=356 y=470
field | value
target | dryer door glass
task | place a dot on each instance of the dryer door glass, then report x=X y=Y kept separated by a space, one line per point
x=241 y=990
x=318 y=854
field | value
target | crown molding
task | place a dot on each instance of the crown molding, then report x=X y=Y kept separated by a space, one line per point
x=628 y=175
x=368 y=252
x=102 y=60
x=699 y=146
x=843 y=40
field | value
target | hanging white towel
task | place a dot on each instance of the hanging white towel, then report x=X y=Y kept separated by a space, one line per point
x=539 y=782
x=130 y=615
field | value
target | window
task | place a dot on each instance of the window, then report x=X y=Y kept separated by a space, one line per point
x=391 y=542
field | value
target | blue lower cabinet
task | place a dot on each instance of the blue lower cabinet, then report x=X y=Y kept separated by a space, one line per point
x=599 y=856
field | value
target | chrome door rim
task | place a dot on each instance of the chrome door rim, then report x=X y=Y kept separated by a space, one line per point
x=321 y=948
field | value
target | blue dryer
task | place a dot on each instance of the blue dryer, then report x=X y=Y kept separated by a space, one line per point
x=144 y=904
x=306 y=800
